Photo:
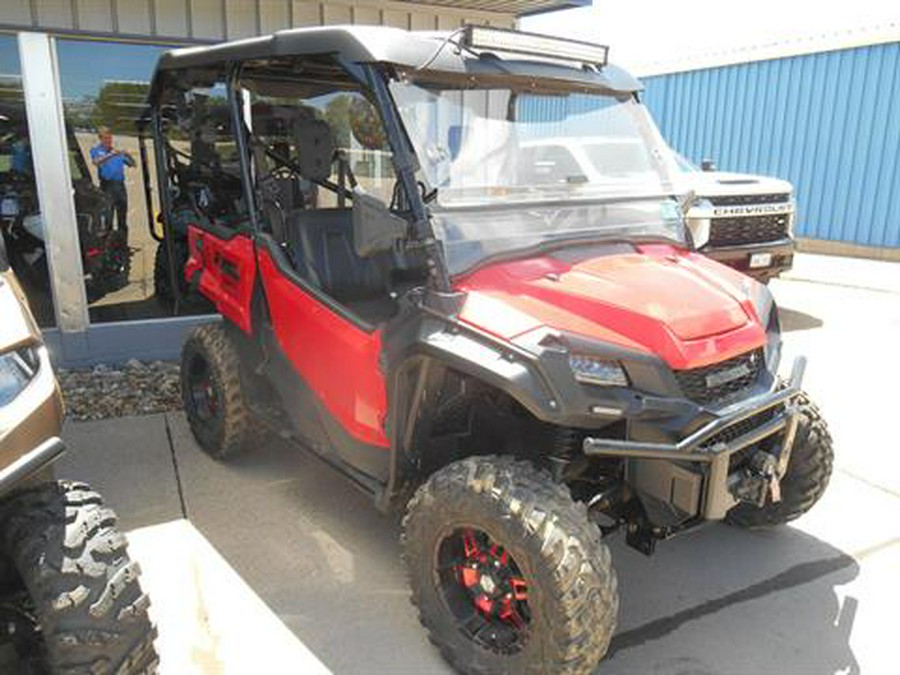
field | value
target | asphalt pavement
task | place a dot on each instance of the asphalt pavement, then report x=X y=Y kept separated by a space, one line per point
x=817 y=596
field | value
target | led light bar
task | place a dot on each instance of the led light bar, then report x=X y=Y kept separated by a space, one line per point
x=503 y=40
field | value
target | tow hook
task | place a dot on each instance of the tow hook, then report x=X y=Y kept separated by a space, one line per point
x=758 y=480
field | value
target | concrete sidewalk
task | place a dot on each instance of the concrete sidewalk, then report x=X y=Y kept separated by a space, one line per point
x=209 y=619
x=817 y=596
x=876 y=275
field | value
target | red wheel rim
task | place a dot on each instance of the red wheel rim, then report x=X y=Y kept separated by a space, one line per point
x=202 y=389
x=484 y=590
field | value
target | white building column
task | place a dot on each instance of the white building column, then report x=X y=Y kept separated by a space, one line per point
x=50 y=155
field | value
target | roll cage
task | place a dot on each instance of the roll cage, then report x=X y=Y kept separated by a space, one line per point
x=367 y=57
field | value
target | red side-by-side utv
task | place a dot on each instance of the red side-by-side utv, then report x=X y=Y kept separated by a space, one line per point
x=522 y=357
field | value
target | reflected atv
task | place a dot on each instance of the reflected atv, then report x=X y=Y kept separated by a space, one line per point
x=105 y=256
x=70 y=600
x=521 y=365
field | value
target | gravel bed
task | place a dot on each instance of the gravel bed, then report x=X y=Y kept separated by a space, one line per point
x=133 y=388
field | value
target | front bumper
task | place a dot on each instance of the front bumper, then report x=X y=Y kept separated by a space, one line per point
x=739 y=257
x=30 y=464
x=691 y=476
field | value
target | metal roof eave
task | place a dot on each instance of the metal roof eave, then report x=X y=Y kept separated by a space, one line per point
x=517 y=8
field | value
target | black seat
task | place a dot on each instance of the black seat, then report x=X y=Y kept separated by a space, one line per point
x=321 y=245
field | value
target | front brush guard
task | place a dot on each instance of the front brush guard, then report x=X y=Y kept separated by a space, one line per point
x=702 y=447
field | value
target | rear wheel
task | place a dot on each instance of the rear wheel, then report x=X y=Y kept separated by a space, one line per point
x=507 y=572
x=805 y=480
x=80 y=589
x=212 y=393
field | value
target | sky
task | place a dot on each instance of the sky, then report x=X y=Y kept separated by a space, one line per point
x=84 y=65
x=641 y=32
x=9 y=55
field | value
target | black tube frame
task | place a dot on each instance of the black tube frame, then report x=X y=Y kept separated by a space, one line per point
x=692 y=447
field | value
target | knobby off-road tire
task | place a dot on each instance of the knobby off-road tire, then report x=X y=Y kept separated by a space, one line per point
x=225 y=427
x=806 y=478
x=571 y=585
x=74 y=564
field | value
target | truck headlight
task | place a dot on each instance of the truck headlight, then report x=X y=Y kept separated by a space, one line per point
x=699 y=228
x=17 y=369
x=698 y=220
x=593 y=370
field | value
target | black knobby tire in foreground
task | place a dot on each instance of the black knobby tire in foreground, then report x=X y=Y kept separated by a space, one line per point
x=806 y=478
x=507 y=572
x=212 y=393
x=85 y=592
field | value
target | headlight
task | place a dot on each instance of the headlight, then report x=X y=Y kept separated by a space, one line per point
x=17 y=369
x=699 y=221
x=699 y=228
x=591 y=370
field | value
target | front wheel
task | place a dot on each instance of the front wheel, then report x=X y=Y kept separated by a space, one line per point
x=805 y=480
x=507 y=572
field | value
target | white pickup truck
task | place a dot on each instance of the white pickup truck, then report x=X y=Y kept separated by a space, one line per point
x=743 y=221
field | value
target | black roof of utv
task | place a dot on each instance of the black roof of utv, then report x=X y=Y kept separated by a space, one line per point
x=381 y=44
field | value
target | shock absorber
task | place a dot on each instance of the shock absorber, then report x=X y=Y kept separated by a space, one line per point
x=566 y=444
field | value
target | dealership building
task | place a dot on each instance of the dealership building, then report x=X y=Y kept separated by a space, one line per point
x=71 y=67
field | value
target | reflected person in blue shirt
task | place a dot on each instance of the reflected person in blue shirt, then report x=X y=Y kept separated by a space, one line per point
x=21 y=154
x=111 y=165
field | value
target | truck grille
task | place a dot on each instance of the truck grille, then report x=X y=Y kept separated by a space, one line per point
x=738 y=230
x=743 y=200
x=720 y=380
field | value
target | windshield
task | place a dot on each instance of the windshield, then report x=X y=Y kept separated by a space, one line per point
x=483 y=146
x=514 y=170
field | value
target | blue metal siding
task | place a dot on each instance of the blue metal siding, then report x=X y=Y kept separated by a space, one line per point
x=827 y=122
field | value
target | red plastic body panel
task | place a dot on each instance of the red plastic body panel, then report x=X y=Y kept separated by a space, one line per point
x=659 y=299
x=227 y=272
x=336 y=359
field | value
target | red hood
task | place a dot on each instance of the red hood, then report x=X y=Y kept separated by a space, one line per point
x=681 y=306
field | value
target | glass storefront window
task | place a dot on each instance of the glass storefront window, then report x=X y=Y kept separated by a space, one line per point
x=104 y=86
x=20 y=213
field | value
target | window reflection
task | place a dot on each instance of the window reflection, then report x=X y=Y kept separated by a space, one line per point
x=20 y=214
x=104 y=87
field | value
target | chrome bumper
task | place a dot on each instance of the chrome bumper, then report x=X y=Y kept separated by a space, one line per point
x=30 y=463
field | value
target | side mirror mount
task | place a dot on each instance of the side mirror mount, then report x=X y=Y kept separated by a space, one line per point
x=375 y=228
x=686 y=201
x=707 y=165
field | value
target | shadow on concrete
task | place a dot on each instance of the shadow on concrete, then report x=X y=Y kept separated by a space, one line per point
x=794 y=320
x=129 y=461
x=729 y=601
x=314 y=548
x=718 y=600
